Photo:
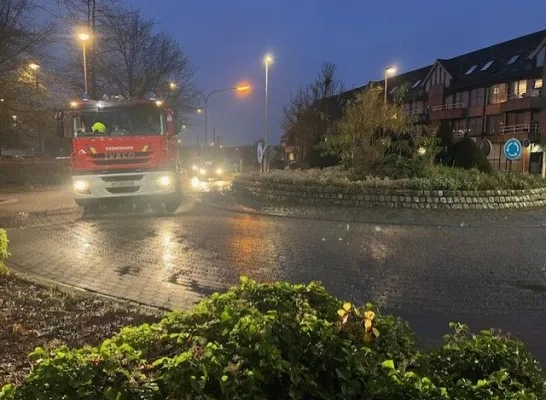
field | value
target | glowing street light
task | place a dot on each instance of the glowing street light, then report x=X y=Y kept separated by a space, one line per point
x=172 y=85
x=390 y=70
x=34 y=66
x=84 y=37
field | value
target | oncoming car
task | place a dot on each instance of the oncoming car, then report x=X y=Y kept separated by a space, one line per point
x=208 y=171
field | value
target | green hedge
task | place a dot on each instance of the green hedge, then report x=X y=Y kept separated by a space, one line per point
x=436 y=178
x=283 y=341
x=34 y=173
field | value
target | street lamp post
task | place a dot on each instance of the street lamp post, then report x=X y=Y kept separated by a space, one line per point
x=206 y=101
x=84 y=37
x=268 y=59
x=389 y=70
x=35 y=67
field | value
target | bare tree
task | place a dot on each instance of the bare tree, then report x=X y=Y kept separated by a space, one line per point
x=20 y=36
x=307 y=113
x=137 y=59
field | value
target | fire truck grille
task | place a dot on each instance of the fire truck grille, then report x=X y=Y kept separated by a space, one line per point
x=119 y=190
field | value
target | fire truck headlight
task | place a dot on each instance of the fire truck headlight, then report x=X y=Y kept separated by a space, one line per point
x=202 y=171
x=81 y=186
x=164 y=181
x=219 y=171
x=194 y=167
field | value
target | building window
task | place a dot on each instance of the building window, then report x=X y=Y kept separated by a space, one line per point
x=471 y=69
x=494 y=124
x=538 y=84
x=515 y=118
x=517 y=89
x=416 y=84
x=475 y=126
x=497 y=93
x=540 y=57
x=476 y=97
x=487 y=65
x=513 y=59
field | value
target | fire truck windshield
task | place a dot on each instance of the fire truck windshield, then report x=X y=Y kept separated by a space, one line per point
x=119 y=121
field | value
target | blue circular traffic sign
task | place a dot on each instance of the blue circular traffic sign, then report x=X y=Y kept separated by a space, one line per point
x=512 y=149
x=260 y=152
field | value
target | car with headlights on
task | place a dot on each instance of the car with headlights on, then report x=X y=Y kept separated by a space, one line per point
x=208 y=171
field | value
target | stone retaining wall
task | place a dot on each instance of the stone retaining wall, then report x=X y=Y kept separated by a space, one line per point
x=358 y=197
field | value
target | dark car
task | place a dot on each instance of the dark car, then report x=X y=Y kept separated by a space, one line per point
x=211 y=170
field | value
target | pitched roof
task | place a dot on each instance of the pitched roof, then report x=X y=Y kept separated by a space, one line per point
x=504 y=60
x=413 y=79
x=511 y=59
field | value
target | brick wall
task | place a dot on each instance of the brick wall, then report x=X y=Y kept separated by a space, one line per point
x=358 y=197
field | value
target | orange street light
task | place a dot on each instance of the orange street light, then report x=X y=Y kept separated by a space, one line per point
x=172 y=85
x=244 y=88
x=84 y=36
x=239 y=88
x=34 y=66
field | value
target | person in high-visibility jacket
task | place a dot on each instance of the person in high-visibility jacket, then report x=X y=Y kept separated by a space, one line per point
x=98 y=127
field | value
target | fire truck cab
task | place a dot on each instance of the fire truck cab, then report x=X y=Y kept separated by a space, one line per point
x=123 y=151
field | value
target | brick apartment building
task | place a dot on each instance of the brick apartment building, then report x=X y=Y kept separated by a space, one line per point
x=491 y=94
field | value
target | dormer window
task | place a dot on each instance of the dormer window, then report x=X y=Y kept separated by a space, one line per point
x=513 y=59
x=416 y=84
x=471 y=69
x=487 y=65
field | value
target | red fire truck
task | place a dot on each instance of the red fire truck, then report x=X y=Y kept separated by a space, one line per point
x=123 y=151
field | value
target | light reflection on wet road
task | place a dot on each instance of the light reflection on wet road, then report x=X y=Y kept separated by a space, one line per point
x=428 y=274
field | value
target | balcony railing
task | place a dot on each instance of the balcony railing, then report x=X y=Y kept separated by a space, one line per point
x=450 y=106
x=520 y=128
x=418 y=111
x=531 y=93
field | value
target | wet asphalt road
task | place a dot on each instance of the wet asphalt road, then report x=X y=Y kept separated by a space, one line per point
x=430 y=275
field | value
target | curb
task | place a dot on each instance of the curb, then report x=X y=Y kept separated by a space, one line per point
x=19 y=218
x=461 y=222
x=44 y=281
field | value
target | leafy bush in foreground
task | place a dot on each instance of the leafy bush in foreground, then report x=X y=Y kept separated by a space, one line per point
x=434 y=178
x=281 y=341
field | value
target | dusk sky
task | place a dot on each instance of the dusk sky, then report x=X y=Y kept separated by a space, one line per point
x=226 y=41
